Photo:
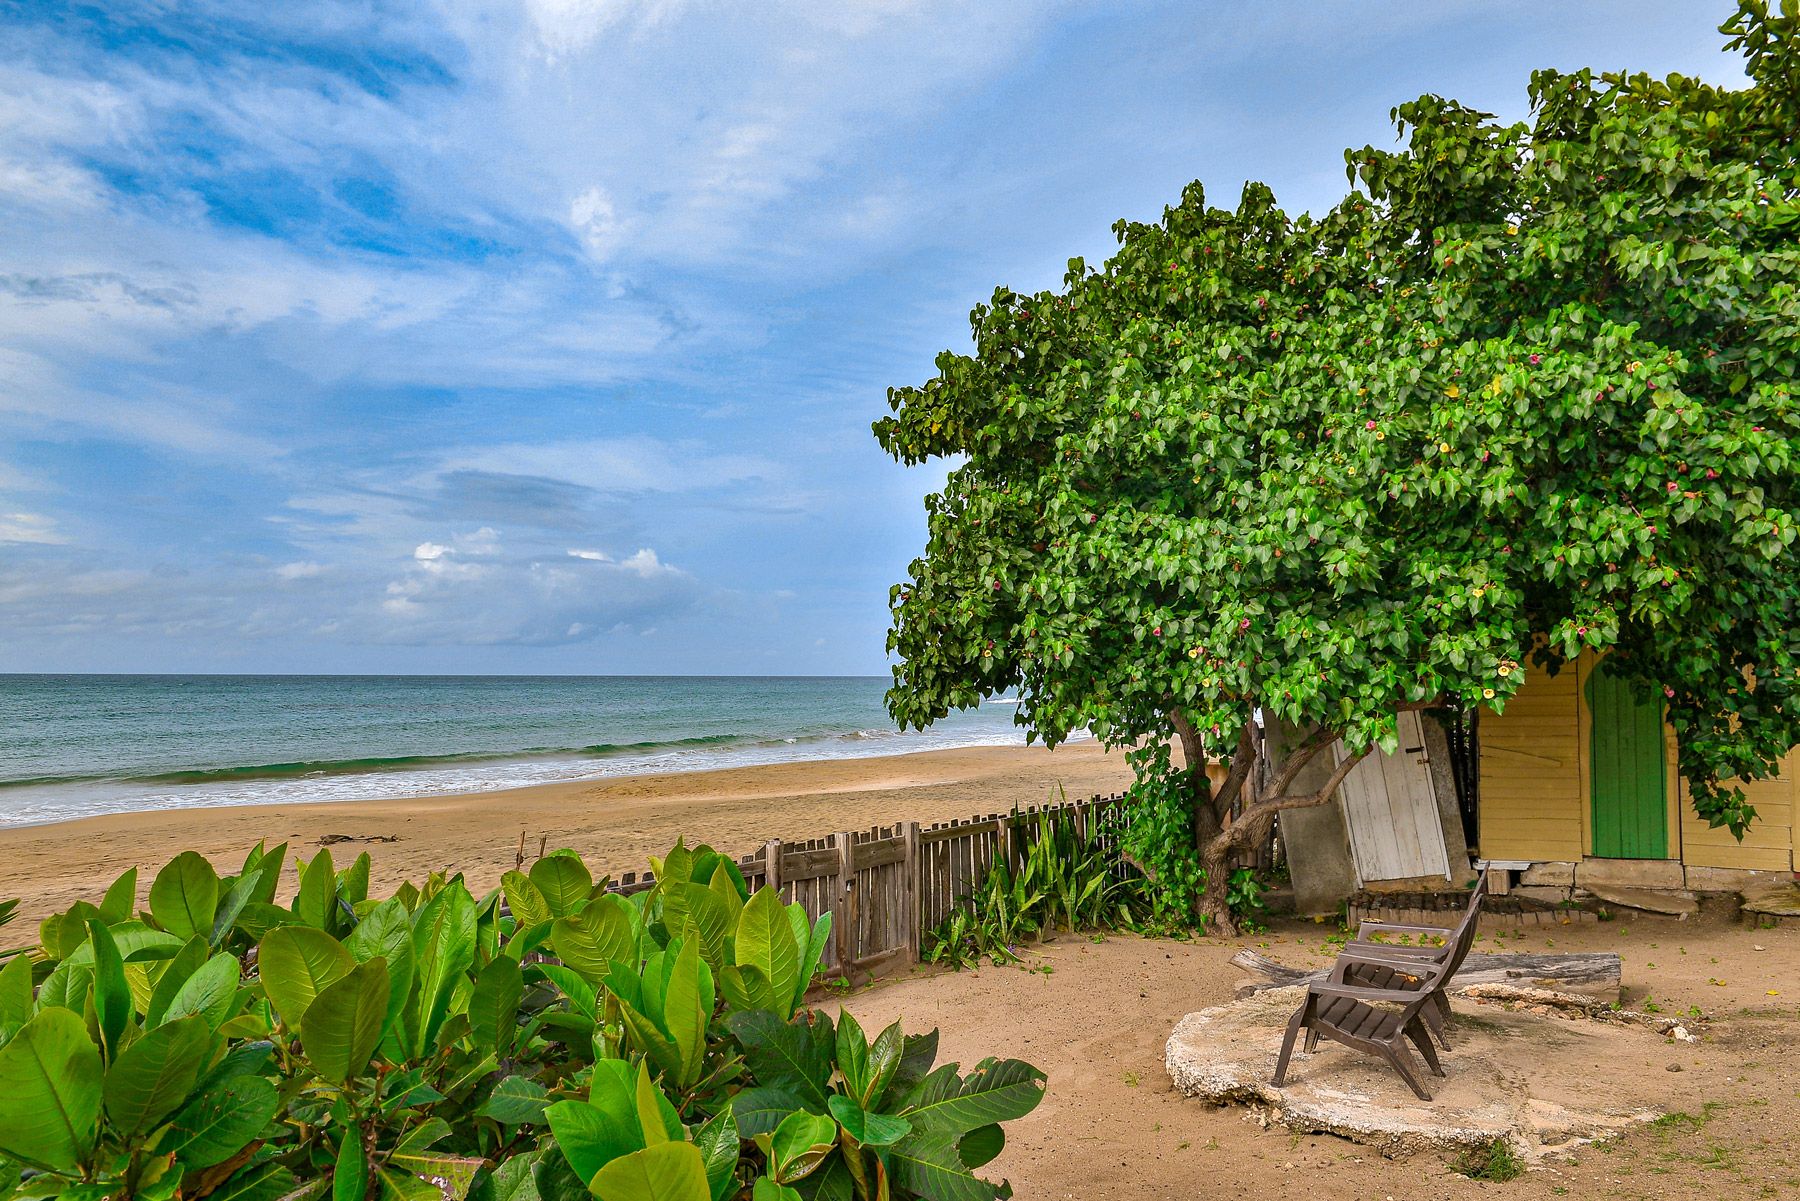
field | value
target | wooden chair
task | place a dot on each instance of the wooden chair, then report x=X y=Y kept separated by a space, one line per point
x=1391 y=965
x=1379 y=1021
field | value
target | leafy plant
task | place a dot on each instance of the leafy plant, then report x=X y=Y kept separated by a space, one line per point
x=1495 y=1161
x=548 y=1040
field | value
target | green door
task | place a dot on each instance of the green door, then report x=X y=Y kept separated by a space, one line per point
x=1630 y=788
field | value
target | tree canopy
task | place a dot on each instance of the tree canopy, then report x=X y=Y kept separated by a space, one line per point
x=1529 y=388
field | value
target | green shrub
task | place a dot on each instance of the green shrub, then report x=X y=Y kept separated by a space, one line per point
x=547 y=1041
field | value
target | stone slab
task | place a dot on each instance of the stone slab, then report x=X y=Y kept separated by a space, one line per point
x=1630 y=873
x=1675 y=904
x=1781 y=899
x=1546 y=1084
x=1549 y=875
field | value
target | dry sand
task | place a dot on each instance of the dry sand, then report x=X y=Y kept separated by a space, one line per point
x=614 y=823
x=1095 y=1016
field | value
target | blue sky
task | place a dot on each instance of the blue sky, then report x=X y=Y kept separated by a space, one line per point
x=544 y=336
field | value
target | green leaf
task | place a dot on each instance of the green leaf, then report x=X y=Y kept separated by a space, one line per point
x=665 y=1172
x=350 y=1175
x=606 y=930
x=523 y=900
x=994 y=1092
x=50 y=1091
x=241 y=893
x=316 y=902
x=981 y=1146
x=869 y=1129
x=792 y=1055
x=926 y=1165
x=218 y=1123
x=765 y=942
x=884 y=1062
x=344 y=1022
x=120 y=898
x=210 y=992
x=760 y=1110
x=385 y=932
x=185 y=895
x=443 y=949
x=799 y=1145
x=853 y=1055
x=154 y=1075
x=258 y=1182
x=297 y=963
x=516 y=1101
x=112 y=995
x=563 y=880
x=175 y=972
x=768 y=1190
x=494 y=1005
x=15 y=991
x=718 y=1143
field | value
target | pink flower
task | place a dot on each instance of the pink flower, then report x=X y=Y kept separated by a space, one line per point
x=1668 y=691
x=1369 y=425
x=1536 y=359
x=1157 y=632
x=1581 y=629
x=1244 y=624
x=1674 y=487
x=1711 y=474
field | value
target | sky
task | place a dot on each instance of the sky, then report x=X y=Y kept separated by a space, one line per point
x=545 y=335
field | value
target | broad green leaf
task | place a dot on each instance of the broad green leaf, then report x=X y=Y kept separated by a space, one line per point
x=494 y=1005
x=853 y=1055
x=316 y=902
x=718 y=1144
x=120 y=899
x=981 y=1146
x=296 y=964
x=926 y=1165
x=344 y=1022
x=175 y=973
x=759 y=1110
x=516 y=1100
x=798 y=1146
x=15 y=991
x=237 y=898
x=353 y=884
x=185 y=895
x=262 y=1181
x=112 y=994
x=350 y=1174
x=563 y=880
x=884 y=1062
x=606 y=930
x=994 y=1092
x=385 y=932
x=792 y=1055
x=210 y=992
x=868 y=1129
x=765 y=941
x=523 y=900
x=154 y=1075
x=443 y=949
x=666 y=1172
x=50 y=1091
x=768 y=1190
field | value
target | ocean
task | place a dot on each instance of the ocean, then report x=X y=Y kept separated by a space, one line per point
x=75 y=745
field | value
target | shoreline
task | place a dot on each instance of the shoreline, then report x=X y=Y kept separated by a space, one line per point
x=613 y=821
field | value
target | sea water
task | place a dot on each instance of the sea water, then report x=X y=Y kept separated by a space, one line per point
x=73 y=745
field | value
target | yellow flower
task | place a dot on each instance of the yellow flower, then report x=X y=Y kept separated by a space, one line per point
x=1477 y=592
x=1453 y=391
x=1487 y=694
x=1443 y=448
x=1194 y=654
x=1505 y=671
x=1381 y=435
x=1513 y=230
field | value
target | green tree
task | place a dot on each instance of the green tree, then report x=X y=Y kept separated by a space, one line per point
x=1527 y=389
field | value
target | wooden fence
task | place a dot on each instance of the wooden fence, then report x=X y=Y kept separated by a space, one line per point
x=886 y=887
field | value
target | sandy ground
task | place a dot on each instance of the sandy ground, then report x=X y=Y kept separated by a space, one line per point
x=1095 y=1015
x=614 y=823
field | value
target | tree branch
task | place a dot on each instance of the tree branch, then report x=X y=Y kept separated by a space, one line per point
x=1302 y=801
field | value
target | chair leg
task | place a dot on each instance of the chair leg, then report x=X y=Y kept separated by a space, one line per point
x=1396 y=1056
x=1441 y=1003
x=1434 y=1022
x=1421 y=1038
x=1287 y=1042
x=1312 y=1040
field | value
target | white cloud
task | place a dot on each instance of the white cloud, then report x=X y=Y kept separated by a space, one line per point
x=29 y=527
x=596 y=222
x=298 y=571
x=596 y=556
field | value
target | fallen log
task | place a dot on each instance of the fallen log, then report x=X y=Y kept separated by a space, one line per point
x=1595 y=975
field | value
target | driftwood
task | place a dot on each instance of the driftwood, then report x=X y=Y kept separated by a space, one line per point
x=1579 y=975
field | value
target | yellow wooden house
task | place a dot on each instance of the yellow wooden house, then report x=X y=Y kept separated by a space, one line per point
x=1578 y=778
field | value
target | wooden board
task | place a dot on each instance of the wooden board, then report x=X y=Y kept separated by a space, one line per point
x=1391 y=811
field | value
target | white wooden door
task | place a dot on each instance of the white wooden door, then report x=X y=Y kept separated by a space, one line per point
x=1390 y=809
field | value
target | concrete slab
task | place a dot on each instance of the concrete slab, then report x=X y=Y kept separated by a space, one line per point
x=1779 y=900
x=1546 y=1084
x=1675 y=904
x=1630 y=873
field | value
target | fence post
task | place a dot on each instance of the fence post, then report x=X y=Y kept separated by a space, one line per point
x=772 y=865
x=909 y=834
x=845 y=901
x=1003 y=842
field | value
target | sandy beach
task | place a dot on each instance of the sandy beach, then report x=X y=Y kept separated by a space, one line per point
x=614 y=823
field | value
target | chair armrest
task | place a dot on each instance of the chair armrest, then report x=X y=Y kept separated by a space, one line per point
x=1409 y=950
x=1406 y=958
x=1354 y=992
